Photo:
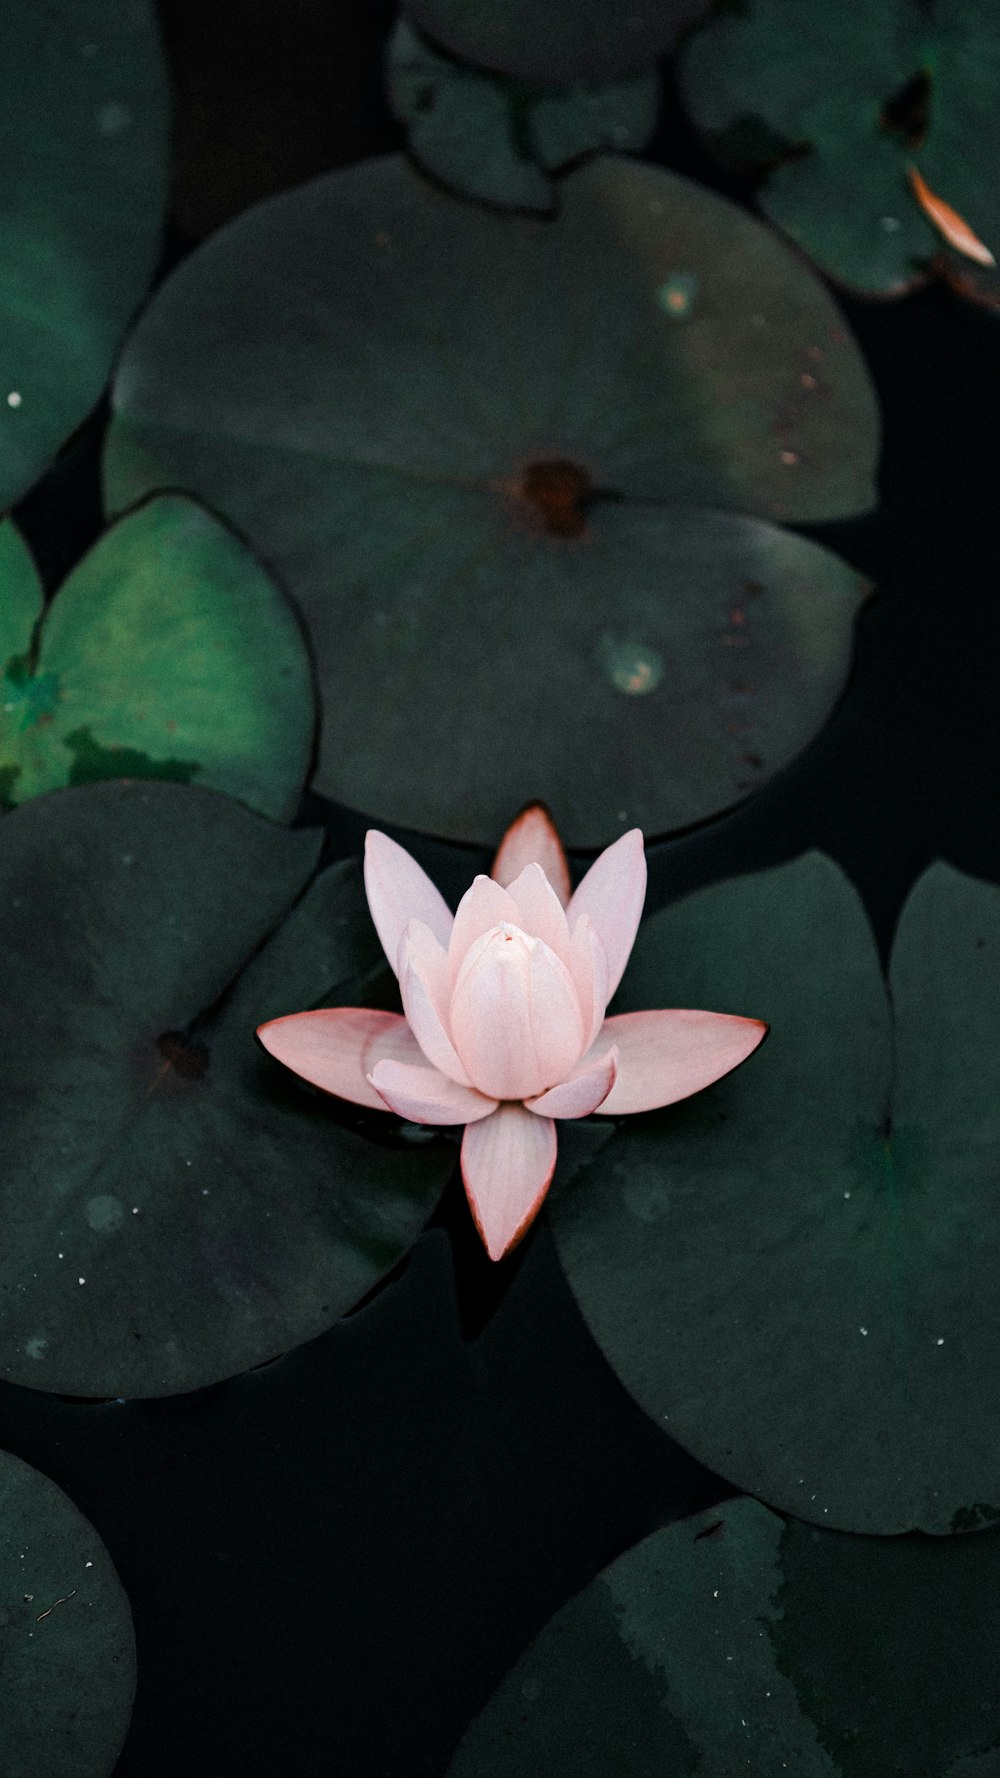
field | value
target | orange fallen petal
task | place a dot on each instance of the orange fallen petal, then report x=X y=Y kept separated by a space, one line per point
x=948 y=222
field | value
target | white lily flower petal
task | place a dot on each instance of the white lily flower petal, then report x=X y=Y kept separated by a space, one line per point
x=507 y=1165
x=668 y=1054
x=425 y=1096
x=423 y=985
x=612 y=893
x=533 y=839
x=515 y=1017
x=540 y=912
x=483 y=906
x=398 y=891
x=584 y=1091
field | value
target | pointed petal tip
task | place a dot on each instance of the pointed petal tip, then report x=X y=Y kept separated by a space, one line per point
x=498 y=1246
x=533 y=838
x=613 y=893
x=424 y=1095
x=584 y=1092
x=507 y=1164
x=335 y=1048
x=668 y=1054
x=398 y=890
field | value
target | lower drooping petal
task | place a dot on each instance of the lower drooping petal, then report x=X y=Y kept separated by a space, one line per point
x=585 y=1090
x=507 y=1165
x=427 y=1097
x=338 y=1047
x=669 y=1054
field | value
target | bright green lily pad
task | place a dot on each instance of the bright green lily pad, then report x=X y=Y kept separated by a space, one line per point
x=176 y=1209
x=67 y=1651
x=168 y=653
x=794 y=1273
x=565 y=40
x=409 y=404
x=735 y=1642
x=835 y=107
x=490 y=137
x=83 y=172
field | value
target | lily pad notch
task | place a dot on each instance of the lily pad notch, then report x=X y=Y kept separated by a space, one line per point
x=167 y=653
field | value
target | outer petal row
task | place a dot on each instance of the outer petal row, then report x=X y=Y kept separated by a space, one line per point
x=399 y=891
x=668 y=1055
x=507 y=1165
x=612 y=893
x=589 y=966
x=427 y=1097
x=338 y=1047
x=583 y=1092
x=533 y=839
x=423 y=984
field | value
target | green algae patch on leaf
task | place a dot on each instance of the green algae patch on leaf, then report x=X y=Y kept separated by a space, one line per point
x=489 y=137
x=735 y=1641
x=452 y=432
x=793 y=1271
x=83 y=172
x=176 y=1209
x=837 y=113
x=570 y=40
x=168 y=653
x=67 y=1650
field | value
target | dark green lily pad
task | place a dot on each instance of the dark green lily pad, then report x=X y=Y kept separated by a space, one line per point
x=411 y=407
x=67 y=1651
x=83 y=170
x=794 y=1273
x=490 y=137
x=735 y=1642
x=168 y=653
x=834 y=107
x=175 y=1208
x=563 y=41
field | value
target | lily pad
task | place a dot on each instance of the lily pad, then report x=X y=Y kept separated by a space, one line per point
x=835 y=108
x=175 y=1209
x=737 y=1642
x=83 y=174
x=794 y=1272
x=66 y=1645
x=168 y=653
x=565 y=40
x=463 y=441
x=490 y=137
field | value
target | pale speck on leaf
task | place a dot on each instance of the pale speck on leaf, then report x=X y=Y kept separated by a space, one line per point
x=677 y=295
x=113 y=118
x=632 y=667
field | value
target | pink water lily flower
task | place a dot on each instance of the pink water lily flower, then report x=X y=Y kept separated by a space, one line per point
x=505 y=1028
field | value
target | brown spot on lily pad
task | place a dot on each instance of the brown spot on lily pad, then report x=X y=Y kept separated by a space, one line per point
x=558 y=491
